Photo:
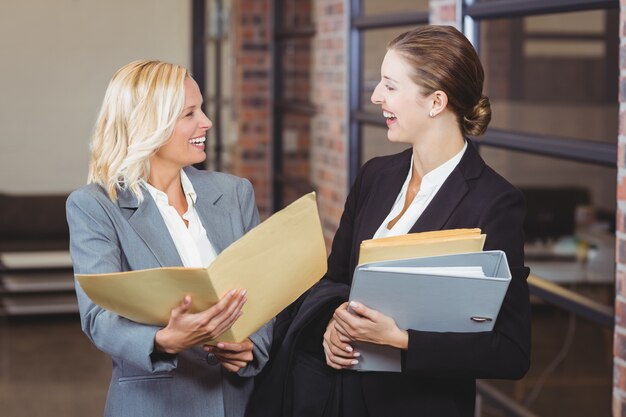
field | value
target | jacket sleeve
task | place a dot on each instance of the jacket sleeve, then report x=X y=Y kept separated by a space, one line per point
x=95 y=248
x=505 y=351
x=339 y=269
x=262 y=338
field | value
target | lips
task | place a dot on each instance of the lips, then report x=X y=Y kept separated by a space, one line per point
x=390 y=117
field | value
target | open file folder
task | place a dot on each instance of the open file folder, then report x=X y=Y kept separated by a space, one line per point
x=275 y=262
x=448 y=296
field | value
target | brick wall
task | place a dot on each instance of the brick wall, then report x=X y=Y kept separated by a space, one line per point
x=294 y=87
x=251 y=22
x=619 y=349
x=329 y=127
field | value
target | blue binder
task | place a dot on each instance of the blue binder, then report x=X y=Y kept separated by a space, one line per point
x=429 y=301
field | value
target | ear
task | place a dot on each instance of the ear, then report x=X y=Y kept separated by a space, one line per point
x=439 y=101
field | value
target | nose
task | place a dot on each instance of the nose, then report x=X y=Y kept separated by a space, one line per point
x=376 y=95
x=206 y=122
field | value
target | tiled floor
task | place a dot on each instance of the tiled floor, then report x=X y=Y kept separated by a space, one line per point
x=580 y=385
x=49 y=368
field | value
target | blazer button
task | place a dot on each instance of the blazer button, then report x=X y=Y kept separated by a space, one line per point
x=211 y=359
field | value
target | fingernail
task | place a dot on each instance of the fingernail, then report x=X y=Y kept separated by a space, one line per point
x=232 y=292
x=220 y=345
x=243 y=292
x=208 y=348
x=349 y=348
x=354 y=362
x=356 y=354
x=354 y=304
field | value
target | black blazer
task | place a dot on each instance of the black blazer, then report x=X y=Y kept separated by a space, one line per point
x=439 y=369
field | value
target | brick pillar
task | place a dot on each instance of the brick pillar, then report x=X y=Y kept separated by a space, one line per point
x=251 y=21
x=443 y=12
x=619 y=346
x=329 y=167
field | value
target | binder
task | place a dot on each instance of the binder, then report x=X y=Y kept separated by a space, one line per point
x=275 y=262
x=438 y=300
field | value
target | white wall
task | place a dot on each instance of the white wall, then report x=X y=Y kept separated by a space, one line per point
x=56 y=58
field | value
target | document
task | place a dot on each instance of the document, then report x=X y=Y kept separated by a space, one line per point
x=413 y=245
x=450 y=293
x=275 y=262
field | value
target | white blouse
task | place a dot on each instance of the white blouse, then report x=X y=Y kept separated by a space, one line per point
x=431 y=183
x=192 y=243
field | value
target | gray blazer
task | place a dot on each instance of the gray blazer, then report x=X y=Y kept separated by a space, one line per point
x=108 y=236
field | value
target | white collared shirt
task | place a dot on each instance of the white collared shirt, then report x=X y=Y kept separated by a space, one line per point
x=431 y=183
x=192 y=242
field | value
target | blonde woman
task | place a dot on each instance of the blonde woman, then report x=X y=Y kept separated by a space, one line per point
x=146 y=207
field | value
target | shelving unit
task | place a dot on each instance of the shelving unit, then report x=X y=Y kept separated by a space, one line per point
x=36 y=282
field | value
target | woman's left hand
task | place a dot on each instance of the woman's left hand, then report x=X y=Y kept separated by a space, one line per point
x=367 y=325
x=233 y=356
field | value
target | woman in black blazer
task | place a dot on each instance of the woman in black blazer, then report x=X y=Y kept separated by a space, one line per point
x=431 y=95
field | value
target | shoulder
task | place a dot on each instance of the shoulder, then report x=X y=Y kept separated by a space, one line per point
x=90 y=195
x=220 y=179
x=483 y=179
x=217 y=185
x=371 y=169
x=387 y=161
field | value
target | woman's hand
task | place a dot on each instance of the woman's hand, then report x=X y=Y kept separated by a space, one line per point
x=233 y=356
x=339 y=354
x=185 y=329
x=367 y=325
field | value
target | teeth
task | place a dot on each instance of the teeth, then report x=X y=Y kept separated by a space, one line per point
x=389 y=115
x=197 y=140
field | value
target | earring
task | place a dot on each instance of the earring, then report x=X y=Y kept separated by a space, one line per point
x=432 y=113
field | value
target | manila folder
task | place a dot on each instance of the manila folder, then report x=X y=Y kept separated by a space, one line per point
x=413 y=245
x=275 y=262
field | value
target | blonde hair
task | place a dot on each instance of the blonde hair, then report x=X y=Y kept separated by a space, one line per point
x=140 y=108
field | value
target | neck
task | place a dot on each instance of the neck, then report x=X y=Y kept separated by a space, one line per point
x=437 y=145
x=167 y=180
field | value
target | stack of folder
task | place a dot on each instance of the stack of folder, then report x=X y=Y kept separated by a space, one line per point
x=437 y=281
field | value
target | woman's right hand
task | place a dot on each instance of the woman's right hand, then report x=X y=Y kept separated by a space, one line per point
x=339 y=354
x=185 y=329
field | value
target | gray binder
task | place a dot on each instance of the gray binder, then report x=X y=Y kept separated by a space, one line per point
x=429 y=302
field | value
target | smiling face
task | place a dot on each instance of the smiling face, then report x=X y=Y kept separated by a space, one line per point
x=402 y=101
x=186 y=145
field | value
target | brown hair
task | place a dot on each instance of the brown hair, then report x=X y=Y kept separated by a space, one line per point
x=443 y=59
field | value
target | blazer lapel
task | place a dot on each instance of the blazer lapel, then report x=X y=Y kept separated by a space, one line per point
x=215 y=218
x=453 y=190
x=146 y=219
x=384 y=192
x=443 y=204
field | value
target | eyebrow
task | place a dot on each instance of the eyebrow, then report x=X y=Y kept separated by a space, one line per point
x=193 y=106
x=390 y=79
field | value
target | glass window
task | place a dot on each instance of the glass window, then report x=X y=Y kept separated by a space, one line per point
x=395 y=6
x=554 y=74
x=570 y=215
